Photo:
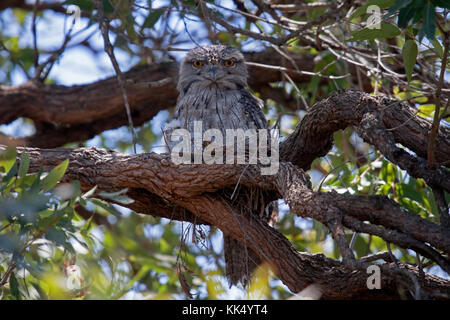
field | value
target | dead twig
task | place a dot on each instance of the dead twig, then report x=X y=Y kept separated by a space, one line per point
x=104 y=27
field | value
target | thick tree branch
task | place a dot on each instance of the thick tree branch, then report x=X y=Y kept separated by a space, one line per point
x=155 y=182
x=85 y=110
x=63 y=114
x=188 y=192
x=380 y=122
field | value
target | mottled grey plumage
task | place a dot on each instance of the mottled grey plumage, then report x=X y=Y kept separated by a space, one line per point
x=216 y=94
x=213 y=89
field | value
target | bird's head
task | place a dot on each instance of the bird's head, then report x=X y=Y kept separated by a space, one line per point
x=212 y=66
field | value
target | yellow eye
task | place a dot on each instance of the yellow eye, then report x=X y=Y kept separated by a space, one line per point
x=197 y=63
x=228 y=63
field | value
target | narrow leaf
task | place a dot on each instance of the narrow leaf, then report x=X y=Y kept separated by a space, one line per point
x=119 y=196
x=24 y=164
x=57 y=236
x=14 y=286
x=437 y=46
x=363 y=9
x=386 y=31
x=399 y=4
x=87 y=5
x=54 y=176
x=11 y=173
x=428 y=26
x=152 y=18
x=441 y=3
x=404 y=16
x=409 y=53
x=90 y=192
x=8 y=158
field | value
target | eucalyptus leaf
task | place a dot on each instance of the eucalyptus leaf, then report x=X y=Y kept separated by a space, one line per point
x=437 y=46
x=86 y=5
x=429 y=25
x=57 y=236
x=54 y=176
x=386 y=30
x=409 y=54
x=119 y=196
x=152 y=18
x=14 y=286
x=24 y=164
x=8 y=158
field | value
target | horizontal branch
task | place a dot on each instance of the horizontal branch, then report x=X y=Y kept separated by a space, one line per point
x=187 y=192
x=381 y=122
x=63 y=114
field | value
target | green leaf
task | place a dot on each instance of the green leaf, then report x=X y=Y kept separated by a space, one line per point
x=54 y=176
x=399 y=4
x=14 y=286
x=386 y=31
x=76 y=190
x=388 y=173
x=441 y=3
x=57 y=236
x=426 y=110
x=8 y=158
x=152 y=18
x=87 y=5
x=11 y=173
x=107 y=6
x=409 y=53
x=106 y=206
x=437 y=46
x=118 y=196
x=9 y=243
x=46 y=222
x=363 y=9
x=428 y=26
x=404 y=16
x=90 y=192
x=24 y=164
x=20 y=15
x=41 y=291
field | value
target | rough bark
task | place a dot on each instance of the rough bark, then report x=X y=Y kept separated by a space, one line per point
x=188 y=192
x=191 y=189
x=64 y=114
x=314 y=137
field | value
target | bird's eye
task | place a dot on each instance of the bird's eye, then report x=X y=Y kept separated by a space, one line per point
x=229 y=63
x=197 y=63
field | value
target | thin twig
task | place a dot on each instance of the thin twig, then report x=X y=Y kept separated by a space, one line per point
x=48 y=65
x=151 y=84
x=376 y=256
x=436 y=120
x=281 y=69
x=35 y=49
x=10 y=269
x=104 y=27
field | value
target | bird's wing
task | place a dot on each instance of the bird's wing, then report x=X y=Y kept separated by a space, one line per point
x=252 y=106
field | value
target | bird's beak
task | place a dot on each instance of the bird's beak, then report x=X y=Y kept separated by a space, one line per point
x=213 y=72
